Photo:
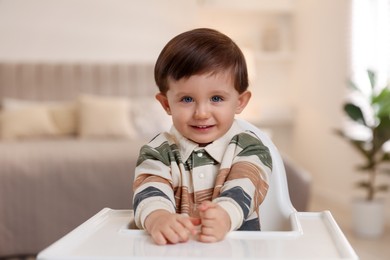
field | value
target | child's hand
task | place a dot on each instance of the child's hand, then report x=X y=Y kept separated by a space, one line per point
x=166 y=227
x=215 y=222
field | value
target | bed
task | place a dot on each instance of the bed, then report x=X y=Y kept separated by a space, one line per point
x=59 y=172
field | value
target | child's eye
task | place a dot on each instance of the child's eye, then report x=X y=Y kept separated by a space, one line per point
x=187 y=99
x=216 y=99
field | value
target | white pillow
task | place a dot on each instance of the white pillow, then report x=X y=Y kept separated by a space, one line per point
x=149 y=117
x=13 y=103
x=104 y=117
x=63 y=113
x=26 y=123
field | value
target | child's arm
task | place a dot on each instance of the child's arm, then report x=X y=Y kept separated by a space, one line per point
x=242 y=190
x=154 y=201
x=155 y=213
x=228 y=211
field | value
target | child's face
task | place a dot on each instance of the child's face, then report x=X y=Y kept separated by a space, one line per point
x=203 y=106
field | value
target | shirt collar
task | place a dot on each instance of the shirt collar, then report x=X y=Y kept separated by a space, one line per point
x=215 y=149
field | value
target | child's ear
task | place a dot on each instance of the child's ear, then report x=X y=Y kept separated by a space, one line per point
x=164 y=102
x=243 y=100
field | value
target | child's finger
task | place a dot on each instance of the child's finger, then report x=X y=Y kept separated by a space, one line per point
x=195 y=221
x=159 y=238
x=205 y=205
x=207 y=238
x=183 y=233
x=188 y=225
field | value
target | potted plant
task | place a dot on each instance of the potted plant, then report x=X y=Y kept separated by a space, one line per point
x=368 y=112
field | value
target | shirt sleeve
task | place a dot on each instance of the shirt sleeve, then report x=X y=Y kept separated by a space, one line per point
x=245 y=186
x=152 y=183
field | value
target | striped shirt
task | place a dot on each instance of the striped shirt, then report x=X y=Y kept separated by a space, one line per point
x=176 y=174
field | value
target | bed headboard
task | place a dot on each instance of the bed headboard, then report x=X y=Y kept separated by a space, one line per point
x=62 y=81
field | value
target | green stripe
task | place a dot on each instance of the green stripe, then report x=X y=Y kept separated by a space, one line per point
x=252 y=146
x=195 y=161
x=164 y=153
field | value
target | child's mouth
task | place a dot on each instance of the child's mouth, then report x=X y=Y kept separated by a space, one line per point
x=202 y=127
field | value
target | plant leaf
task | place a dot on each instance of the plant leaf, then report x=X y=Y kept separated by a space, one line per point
x=382 y=103
x=381 y=96
x=355 y=113
x=385 y=157
x=381 y=133
x=353 y=86
x=372 y=77
x=360 y=146
x=384 y=110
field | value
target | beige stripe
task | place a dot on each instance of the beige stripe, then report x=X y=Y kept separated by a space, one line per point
x=220 y=180
x=250 y=171
x=203 y=195
x=183 y=200
x=188 y=202
x=147 y=178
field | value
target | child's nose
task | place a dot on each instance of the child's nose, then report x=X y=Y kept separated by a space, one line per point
x=201 y=111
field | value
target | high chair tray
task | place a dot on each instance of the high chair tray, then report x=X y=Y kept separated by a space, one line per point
x=107 y=236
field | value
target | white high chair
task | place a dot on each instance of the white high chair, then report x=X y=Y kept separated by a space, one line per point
x=276 y=210
x=285 y=233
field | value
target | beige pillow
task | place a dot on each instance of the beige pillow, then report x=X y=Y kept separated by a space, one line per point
x=104 y=117
x=63 y=113
x=26 y=123
x=14 y=103
x=64 y=116
x=1 y=122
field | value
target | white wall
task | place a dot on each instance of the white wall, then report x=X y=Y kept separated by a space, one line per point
x=121 y=30
x=319 y=84
x=117 y=30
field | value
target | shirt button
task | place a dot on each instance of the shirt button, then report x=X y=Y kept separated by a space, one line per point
x=201 y=175
x=200 y=154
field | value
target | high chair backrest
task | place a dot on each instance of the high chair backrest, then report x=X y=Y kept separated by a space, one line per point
x=276 y=209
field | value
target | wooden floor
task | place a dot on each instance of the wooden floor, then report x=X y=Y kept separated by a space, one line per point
x=366 y=249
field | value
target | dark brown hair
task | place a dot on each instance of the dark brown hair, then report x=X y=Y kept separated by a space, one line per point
x=197 y=52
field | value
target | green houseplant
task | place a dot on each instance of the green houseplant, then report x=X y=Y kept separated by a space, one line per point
x=368 y=113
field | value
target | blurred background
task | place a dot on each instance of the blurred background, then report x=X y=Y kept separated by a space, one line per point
x=300 y=54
